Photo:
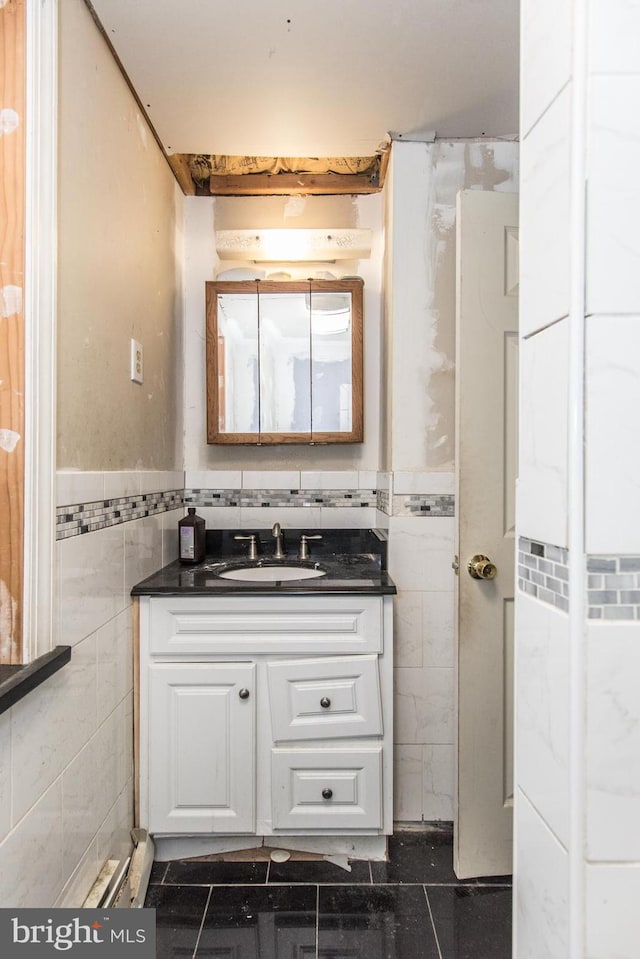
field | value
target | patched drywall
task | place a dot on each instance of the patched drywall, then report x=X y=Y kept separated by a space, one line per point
x=118 y=268
x=425 y=179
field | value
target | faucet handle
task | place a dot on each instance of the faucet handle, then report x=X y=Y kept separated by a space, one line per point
x=304 y=547
x=253 y=549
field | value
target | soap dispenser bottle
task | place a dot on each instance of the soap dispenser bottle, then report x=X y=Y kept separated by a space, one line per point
x=191 y=534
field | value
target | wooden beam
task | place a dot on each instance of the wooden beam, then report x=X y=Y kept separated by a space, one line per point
x=12 y=368
x=179 y=163
x=288 y=184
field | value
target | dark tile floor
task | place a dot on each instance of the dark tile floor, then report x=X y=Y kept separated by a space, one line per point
x=411 y=907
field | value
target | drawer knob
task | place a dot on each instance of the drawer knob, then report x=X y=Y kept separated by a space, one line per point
x=325 y=702
x=327 y=793
x=244 y=694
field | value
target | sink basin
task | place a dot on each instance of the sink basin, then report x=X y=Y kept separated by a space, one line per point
x=270 y=574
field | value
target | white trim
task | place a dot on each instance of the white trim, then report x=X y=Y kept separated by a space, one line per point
x=40 y=320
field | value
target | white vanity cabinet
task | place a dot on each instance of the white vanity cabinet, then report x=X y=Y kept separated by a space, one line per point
x=266 y=716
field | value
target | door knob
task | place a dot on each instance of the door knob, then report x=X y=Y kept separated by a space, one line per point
x=481 y=567
x=244 y=694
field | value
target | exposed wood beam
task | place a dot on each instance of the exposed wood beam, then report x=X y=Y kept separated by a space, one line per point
x=179 y=163
x=287 y=184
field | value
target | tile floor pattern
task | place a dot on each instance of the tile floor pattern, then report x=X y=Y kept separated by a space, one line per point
x=411 y=907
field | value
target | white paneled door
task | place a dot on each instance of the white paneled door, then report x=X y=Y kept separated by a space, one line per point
x=486 y=454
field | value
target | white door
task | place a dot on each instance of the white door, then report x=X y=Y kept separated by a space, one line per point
x=201 y=747
x=486 y=454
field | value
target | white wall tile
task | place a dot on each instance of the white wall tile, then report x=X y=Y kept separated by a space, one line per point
x=384 y=480
x=329 y=479
x=82 y=879
x=407 y=784
x=424 y=706
x=114 y=648
x=169 y=522
x=542 y=480
x=544 y=219
x=614 y=29
x=160 y=481
x=111 y=743
x=113 y=837
x=90 y=574
x=259 y=517
x=541 y=888
x=51 y=725
x=213 y=479
x=118 y=483
x=407 y=629
x=219 y=517
x=613 y=742
x=438 y=782
x=542 y=698
x=612 y=426
x=367 y=479
x=431 y=481
x=31 y=871
x=613 y=195
x=348 y=517
x=545 y=56
x=73 y=487
x=5 y=774
x=142 y=549
x=270 y=479
x=439 y=641
x=81 y=806
x=421 y=552
x=611 y=912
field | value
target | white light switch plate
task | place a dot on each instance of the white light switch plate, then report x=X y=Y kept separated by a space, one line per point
x=136 y=361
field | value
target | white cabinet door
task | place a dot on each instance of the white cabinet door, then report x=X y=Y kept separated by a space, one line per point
x=201 y=747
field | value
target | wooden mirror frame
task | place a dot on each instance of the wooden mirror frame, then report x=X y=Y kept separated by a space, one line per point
x=215 y=375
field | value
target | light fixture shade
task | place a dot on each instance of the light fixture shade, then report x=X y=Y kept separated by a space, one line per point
x=293 y=246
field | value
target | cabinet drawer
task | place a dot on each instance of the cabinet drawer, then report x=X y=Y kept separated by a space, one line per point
x=243 y=624
x=325 y=698
x=327 y=788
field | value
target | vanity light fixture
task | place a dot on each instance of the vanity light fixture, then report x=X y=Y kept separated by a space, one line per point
x=293 y=246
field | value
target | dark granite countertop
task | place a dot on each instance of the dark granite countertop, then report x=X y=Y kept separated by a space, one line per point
x=354 y=561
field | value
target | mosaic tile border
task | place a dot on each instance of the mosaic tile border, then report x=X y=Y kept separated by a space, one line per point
x=281 y=498
x=543 y=572
x=82 y=518
x=613 y=587
x=424 y=504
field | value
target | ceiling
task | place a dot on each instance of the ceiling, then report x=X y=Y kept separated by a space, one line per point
x=275 y=78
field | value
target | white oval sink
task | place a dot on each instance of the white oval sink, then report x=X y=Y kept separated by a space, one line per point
x=271 y=574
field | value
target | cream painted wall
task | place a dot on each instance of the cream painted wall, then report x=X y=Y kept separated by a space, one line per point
x=202 y=217
x=119 y=260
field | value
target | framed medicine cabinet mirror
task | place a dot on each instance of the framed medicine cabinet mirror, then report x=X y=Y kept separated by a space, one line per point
x=284 y=362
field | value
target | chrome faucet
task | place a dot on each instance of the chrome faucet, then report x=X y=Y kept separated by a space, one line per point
x=276 y=532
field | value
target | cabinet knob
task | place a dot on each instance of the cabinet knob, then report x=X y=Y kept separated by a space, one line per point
x=325 y=702
x=327 y=793
x=243 y=694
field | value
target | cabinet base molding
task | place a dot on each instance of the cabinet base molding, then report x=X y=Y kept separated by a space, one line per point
x=186 y=847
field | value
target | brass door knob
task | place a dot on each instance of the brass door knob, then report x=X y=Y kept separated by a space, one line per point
x=481 y=567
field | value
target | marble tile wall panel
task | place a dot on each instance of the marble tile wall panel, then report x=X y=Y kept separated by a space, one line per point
x=142 y=550
x=611 y=912
x=546 y=57
x=613 y=194
x=5 y=774
x=407 y=783
x=82 y=878
x=544 y=215
x=424 y=706
x=83 y=798
x=113 y=838
x=613 y=32
x=51 y=726
x=438 y=774
x=613 y=742
x=541 y=505
x=421 y=553
x=541 y=888
x=542 y=697
x=31 y=857
x=612 y=423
